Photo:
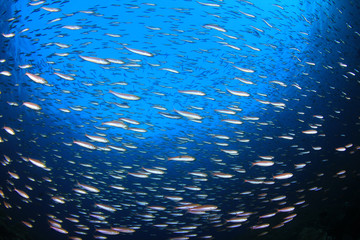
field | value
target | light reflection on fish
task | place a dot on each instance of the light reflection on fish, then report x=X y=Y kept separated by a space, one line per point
x=173 y=119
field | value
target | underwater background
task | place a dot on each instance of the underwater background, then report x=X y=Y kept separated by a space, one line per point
x=179 y=119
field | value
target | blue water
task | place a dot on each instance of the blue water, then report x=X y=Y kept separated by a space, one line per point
x=298 y=62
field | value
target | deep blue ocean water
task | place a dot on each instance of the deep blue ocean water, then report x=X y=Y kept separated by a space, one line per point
x=221 y=84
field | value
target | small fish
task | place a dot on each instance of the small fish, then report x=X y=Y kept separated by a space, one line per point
x=246 y=70
x=138 y=175
x=51 y=9
x=31 y=105
x=260 y=226
x=189 y=114
x=283 y=176
x=311 y=131
x=59 y=229
x=233 y=121
x=95 y=60
x=238 y=93
x=140 y=52
x=58 y=199
x=225 y=111
x=22 y=193
x=247 y=14
x=36 y=78
x=237 y=219
x=222 y=175
x=5 y=73
x=169 y=70
x=112 y=35
x=36 y=3
x=209 y=4
x=183 y=158
x=8 y=35
x=9 y=130
x=116 y=124
x=128 y=120
x=105 y=207
x=192 y=92
x=203 y=208
x=72 y=27
x=37 y=163
x=64 y=76
x=215 y=27
x=89 y=188
x=107 y=231
x=85 y=145
x=25 y=66
x=125 y=96
x=263 y=163
x=97 y=138
x=123 y=229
